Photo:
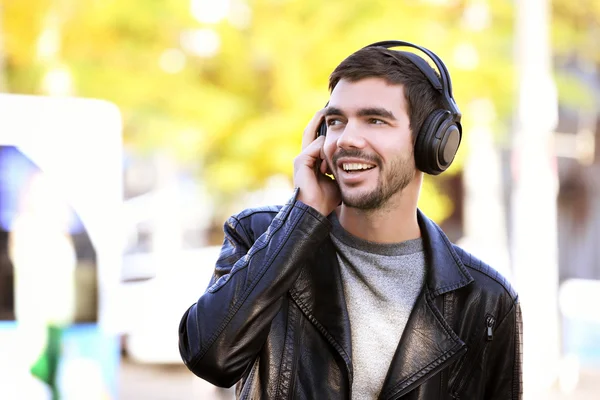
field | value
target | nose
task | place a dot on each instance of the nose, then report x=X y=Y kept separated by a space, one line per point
x=351 y=137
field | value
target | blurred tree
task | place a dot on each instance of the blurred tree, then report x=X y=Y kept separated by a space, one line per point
x=575 y=35
x=3 y=83
x=230 y=85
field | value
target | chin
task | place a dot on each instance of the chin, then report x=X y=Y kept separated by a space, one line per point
x=356 y=193
x=354 y=199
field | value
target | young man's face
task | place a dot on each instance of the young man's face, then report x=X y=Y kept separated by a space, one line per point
x=368 y=145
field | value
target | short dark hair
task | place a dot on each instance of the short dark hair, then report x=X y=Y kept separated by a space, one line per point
x=397 y=69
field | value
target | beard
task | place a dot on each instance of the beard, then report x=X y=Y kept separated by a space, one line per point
x=391 y=180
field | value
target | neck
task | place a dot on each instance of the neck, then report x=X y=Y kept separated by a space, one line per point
x=395 y=222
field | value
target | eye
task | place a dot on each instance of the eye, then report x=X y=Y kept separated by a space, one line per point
x=333 y=121
x=377 y=121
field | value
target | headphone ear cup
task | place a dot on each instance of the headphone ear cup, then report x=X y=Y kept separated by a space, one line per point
x=437 y=142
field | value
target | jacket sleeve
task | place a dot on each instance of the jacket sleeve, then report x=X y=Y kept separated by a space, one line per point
x=504 y=378
x=221 y=334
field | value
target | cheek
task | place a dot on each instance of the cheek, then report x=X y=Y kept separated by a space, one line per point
x=389 y=148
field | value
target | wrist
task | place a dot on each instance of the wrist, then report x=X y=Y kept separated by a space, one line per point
x=312 y=203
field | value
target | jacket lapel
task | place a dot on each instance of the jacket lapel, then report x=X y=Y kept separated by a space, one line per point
x=319 y=293
x=428 y=343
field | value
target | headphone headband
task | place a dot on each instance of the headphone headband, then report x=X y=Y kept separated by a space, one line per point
x=444 y=74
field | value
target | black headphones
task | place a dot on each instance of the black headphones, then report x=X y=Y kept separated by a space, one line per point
x=438 y=139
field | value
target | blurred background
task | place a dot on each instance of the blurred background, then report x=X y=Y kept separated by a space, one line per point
x=130 y=130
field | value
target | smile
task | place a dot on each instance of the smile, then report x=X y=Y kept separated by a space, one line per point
x=348 y=167
x=356 y=174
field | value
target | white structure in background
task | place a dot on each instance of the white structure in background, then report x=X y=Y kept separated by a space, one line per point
x=167 y=275
x=484 y=213
x=276 y=191
x=534 y=236
x=170 y=211
x=88 y=171
x=578 y=300
x=154 y=307
x=163 y=271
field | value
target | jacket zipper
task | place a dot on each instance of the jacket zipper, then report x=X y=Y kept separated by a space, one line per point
x=490 y=321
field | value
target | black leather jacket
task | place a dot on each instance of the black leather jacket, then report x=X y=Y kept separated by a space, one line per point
x=274 y=319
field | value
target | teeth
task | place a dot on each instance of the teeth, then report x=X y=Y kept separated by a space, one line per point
x=355 y=166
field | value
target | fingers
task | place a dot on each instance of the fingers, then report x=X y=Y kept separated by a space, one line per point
x=314 y=149
x=324 y=167
x=311 y=154
x=310 y=132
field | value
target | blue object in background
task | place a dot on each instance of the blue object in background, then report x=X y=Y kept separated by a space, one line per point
x=15 y=171
x=582 y=339
x=87 y=344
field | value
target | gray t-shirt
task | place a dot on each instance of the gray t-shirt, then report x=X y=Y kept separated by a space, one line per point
x=381 y=284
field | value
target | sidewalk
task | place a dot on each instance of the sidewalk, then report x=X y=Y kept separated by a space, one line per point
x=170 y=382
x=151 y=382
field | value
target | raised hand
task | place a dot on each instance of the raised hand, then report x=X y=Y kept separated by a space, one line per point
x=316 y=189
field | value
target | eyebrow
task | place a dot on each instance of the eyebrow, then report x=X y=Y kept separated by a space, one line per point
x=363 y=112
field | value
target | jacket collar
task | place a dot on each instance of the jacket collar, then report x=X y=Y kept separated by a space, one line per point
x=319 y=293
x=445 y=270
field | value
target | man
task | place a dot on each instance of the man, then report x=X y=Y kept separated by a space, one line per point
x=349 y=291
